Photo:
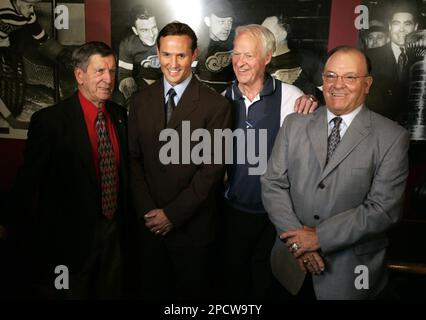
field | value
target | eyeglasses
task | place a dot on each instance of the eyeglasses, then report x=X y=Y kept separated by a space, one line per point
x=331 y=77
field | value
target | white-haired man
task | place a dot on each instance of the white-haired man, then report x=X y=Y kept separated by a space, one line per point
x=260 y=103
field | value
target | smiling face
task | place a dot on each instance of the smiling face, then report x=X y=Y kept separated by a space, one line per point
x=146 y=30
x=340 y=97
x=96 y=83
x=249 y=60
x=176 y=57
x=402 y=23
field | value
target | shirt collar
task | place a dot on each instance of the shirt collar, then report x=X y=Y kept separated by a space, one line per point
x=179 y=88
x=346 y=118
x=267 y=90
x=89 y=105
x=396 y=51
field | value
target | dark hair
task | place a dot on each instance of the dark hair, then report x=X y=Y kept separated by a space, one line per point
x=178 y=29
x=81 y=55
x=220 y=8
x=346 y=48
x=403 y=6
x=139 y=12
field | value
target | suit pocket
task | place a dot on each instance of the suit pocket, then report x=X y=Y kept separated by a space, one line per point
x=371 y=246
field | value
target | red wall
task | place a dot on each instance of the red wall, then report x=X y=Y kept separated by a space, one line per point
x=98 y=20
x=98 y=27
x=342 y=27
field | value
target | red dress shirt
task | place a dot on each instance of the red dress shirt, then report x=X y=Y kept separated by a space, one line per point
x=90 y=112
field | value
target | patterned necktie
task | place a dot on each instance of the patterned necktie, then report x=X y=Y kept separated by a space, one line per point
x=402 y=64
x=333 y=138
x=170 y=105
x=107 y=168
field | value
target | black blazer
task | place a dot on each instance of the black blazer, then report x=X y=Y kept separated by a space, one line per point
x=387 y=95
x=59 y=175
x=186 y=192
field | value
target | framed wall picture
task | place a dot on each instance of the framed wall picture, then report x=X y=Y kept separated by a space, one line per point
x=36 y=41
x=395 y=42
x=300 y=28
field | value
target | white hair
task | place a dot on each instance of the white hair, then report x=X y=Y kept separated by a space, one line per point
x=266 y=37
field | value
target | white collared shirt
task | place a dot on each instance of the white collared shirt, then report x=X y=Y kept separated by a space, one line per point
x=289 y=94
x=346 y=120
x=179 y=88
x=396 y=51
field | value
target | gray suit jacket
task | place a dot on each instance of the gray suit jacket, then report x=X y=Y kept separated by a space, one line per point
x=351 y=201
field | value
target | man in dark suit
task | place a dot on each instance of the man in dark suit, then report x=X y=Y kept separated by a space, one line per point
x=175 y=203
x=75 y=172
x=389 y=92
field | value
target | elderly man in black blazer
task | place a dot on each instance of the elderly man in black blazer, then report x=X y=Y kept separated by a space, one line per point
x=75 y=173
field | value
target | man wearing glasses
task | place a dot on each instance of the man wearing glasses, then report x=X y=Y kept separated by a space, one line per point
x=334 y=185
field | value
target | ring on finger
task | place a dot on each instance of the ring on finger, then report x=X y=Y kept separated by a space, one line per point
x=294 y=247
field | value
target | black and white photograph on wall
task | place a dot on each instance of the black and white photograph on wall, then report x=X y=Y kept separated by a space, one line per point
x=395 y=42
x=36 y=41
x=300 y=27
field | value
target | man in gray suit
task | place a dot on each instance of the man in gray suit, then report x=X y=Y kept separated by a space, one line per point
x=332 y=199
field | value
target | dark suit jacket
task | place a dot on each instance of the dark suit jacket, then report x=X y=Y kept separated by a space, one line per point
x=186 y=192
x=59 y=175
x=387 y=96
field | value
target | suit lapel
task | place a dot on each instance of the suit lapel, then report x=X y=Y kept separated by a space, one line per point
x=119 y=124
x=317 y=133
x=357 y=131
x=157 y=106
x=186 y=104
x=119 y=127
x=81 y=137
x=390 y=62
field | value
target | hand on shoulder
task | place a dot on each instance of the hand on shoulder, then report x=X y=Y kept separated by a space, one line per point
x=306 y=104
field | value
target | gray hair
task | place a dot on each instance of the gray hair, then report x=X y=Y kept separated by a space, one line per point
x=265 y=36
x=81 y=55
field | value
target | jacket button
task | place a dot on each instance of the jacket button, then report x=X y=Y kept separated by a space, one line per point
x=321 y=185
x=316 y=217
